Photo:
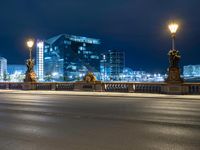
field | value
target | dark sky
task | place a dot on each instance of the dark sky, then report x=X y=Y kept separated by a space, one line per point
x=138 y=27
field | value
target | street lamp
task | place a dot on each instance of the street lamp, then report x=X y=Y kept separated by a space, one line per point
x=30 y=74
x=174 y=58
x=173 y=27
x=30 y=44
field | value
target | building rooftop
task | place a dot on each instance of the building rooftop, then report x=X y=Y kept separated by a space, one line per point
x=3 y=58
x=74 y=38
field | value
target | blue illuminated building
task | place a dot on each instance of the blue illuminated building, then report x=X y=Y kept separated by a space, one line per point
x=3 y=67
x=112 y=65
x=191 y=71
x=16 y=68
x=68 y=58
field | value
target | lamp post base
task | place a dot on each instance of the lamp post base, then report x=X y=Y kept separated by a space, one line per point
x=175 y=89
x=30 y=77
x=174 y=76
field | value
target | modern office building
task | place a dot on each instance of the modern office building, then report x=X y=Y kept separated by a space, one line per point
x=67 y=57
x=104 y=68
x=128 y=74
x=3 y=67
x=191 y=71
x=112 y=65
x=40 y=60
x=116 y=60
x=16 y=68
x=16 y=72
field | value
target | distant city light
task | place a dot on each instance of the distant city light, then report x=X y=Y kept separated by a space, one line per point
x=55 y=74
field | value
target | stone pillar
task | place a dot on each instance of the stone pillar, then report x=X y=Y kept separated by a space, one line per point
x=27 y=86
x=7 y=86
x=53 y=86
x=174 y=76
x=174 y=82
x=130 y=88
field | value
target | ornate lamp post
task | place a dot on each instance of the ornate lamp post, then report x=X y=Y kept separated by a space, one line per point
x=174 y=58
x=173 y=27
x=30 y=74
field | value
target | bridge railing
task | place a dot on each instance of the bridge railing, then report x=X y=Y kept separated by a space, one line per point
x=148 y=87
x=116 y=87
x=133 y=87
x=11 y=85
x=125 y=87
x=65 y=86
x=193 y=88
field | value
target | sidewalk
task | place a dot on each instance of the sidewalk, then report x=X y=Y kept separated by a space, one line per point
x=113 y=94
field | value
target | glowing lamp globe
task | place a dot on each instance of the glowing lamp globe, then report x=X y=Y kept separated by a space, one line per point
x=173 y=27
x=30 y=43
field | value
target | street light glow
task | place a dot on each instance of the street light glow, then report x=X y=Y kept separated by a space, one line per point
x=173 y=27
x=30 y=43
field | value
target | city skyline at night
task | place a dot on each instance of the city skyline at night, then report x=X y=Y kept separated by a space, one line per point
x=100 y=75
x=130 y=26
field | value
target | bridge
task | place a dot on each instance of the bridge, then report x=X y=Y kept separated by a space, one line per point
x=133 y=87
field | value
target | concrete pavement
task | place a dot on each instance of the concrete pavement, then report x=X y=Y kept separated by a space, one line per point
x=62 y=122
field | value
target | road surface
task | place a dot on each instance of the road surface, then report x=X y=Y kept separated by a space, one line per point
x=59 y=122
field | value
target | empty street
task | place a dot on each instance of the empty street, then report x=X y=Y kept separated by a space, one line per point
x=59 y=122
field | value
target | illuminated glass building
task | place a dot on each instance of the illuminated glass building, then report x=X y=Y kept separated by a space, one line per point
x=40 y=60
x=191 y=71
x=112 y=65
x=68 y=57
x=16 y=72
x=3 y=67
x=12 y=69
x=104 y=68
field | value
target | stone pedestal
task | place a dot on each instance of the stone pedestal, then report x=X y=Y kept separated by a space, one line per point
x=88 y=86
x=174 y=76
x=27 y=86
x=174 y=82
x=30 y=77
x=131 y=89
x=177 y=89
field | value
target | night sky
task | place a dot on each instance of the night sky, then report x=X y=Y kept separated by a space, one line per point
x=138 y=27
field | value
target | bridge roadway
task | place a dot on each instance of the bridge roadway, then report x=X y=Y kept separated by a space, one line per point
x=59 y=122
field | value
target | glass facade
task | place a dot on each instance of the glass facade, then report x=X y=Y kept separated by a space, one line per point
x=191 y=71
x=112 y=65
x=12 y=69
x=16 y=73
x=40 y=60
x=3 y=67
x=69 y=57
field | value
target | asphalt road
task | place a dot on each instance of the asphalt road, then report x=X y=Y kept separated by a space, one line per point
x=57 y=122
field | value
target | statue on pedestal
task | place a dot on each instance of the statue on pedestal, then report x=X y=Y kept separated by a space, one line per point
x=174 y=58
x=174 y=70
x=30 y=74
x=89 y=77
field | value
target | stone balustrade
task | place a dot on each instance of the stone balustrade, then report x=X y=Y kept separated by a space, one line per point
x=125 y=87
x=193 y=88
